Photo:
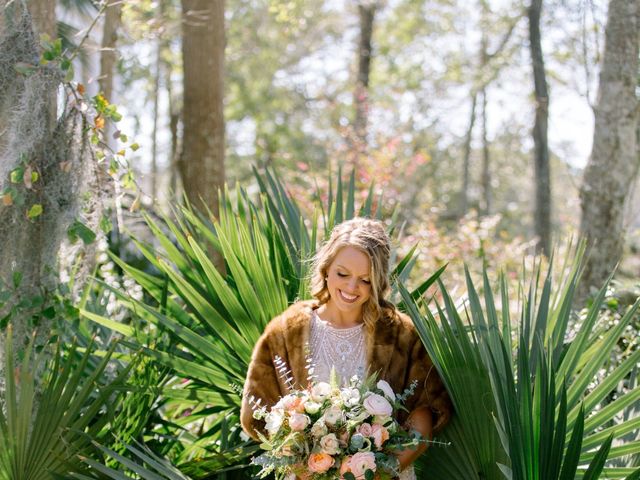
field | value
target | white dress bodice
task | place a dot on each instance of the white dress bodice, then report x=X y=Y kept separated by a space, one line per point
x=342 y=349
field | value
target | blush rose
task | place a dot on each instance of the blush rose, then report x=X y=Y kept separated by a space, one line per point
x=377 y=405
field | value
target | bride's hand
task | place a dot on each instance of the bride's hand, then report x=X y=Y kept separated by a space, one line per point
x=420 y=420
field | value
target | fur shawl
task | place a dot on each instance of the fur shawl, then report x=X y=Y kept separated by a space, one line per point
x=394 y=351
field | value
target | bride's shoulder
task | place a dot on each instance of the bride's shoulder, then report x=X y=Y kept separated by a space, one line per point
x=400 y=322
x=296 y=315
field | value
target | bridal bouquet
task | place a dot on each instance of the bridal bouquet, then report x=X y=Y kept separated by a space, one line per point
x=326 y=432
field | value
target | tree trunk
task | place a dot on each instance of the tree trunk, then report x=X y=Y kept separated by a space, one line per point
x=615 y=158
x=156 y=114
x=43 y=13
x=29 y=246
x=361 y=94
x=542 y=170
x=202 y=162
x=486 y=161
x=484 y=60
x=112 y=22
x=464 y=193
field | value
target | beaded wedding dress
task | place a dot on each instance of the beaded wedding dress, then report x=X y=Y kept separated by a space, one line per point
x=344 y=350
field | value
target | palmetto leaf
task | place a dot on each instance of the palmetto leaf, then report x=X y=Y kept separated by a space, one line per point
x=539 y=396
x=44 y=437
x=148 y=467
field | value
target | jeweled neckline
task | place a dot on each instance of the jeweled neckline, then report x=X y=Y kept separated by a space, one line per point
x=327 y=325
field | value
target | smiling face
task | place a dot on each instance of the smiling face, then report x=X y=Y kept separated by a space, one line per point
x=349 y=280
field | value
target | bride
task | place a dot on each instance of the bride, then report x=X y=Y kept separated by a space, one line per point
x=352 y=328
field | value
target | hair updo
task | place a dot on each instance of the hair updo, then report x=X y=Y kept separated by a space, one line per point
x=370 y=237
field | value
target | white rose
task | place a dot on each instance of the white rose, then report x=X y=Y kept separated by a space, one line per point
x=320 y=392
x=319 y=429
x=330 y=444
x=274 y=421
x=350 y=396
x=333 y=415
x=377 y=405
x=312 y=407
x=386 y=388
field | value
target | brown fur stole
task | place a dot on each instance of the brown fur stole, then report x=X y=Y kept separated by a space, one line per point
x=394 y=351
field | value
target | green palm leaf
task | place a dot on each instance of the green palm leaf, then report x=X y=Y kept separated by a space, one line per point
x=43 y=434
x=539 y=396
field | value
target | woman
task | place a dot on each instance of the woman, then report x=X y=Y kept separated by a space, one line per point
x=351 y=327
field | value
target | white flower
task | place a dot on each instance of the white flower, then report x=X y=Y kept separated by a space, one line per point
x=312 y=407
x=274 y=421
x=330 y=444
x=386 y=388
x=377 y=405
x=333 y=415
x=319 y=429
x=320 y=392
x=350 y=396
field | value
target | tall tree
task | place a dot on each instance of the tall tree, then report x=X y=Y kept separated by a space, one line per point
x=366 y=13
x=488 y=70
x=156 y=116
x=43 y=13
x=615 y=157
x=466 y=160
x=202 y=157
x=112 y=22
x=486 y=159
x=484 y=60
x=33 y=143
x=541 y=153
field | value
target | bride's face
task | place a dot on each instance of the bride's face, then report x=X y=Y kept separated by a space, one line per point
x=349 y=280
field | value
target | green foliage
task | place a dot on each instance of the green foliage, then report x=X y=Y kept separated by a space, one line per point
x=45 y=426
x=148 y=467
x=519 y=416
x=201 y=324
x=532 y=424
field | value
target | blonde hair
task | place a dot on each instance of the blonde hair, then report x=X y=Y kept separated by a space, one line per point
x=370 y=237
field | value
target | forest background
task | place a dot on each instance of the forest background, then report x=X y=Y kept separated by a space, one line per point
x=490 y=133
x=435 y=102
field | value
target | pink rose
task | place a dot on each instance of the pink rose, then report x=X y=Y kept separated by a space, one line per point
x=320 y=462
x=365 y=430
x=377 y=405
x=298 y=422
x=345 y=467
x=361 y=462
x=380 y=435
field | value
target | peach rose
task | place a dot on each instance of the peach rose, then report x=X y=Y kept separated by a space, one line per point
x=361 y=462
x=293 y=403
x=380 y=435
x=377 y=405
x=320 y=462
x=365 y=430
